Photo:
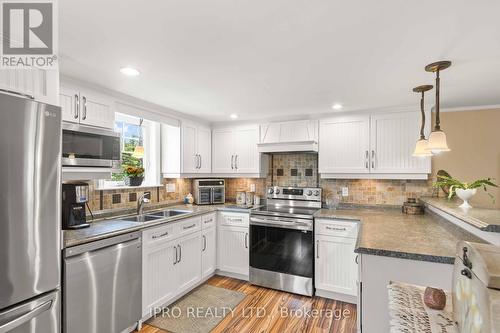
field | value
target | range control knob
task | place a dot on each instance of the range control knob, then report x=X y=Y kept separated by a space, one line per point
x=270 y=191
x=316 y=193
x=277 y=191
x=309 y=193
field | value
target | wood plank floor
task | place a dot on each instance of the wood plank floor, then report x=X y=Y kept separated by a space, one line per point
x=278 y=307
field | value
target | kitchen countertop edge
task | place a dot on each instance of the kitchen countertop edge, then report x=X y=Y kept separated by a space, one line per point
x=199 y=210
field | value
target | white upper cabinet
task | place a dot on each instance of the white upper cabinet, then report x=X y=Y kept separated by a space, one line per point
x=189 y=149
x=196 y=149
x=377 y=146
x=300 y=135
x=186 y=150
x=393 y=138
x=204 y=141
x=344 y=145
x=41 y=84
x=223 y=151
x=235 y=151
x=86 y=107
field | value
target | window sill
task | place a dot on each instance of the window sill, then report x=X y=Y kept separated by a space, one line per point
x=111 y=188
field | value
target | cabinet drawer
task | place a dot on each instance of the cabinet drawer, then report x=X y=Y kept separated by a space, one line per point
x=339 y=228
x=235 y=219
x=187 y=226
x=208 y=220
x=152 y=237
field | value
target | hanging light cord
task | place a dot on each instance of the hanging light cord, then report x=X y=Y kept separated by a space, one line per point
x=422 y=135
x=437 y=127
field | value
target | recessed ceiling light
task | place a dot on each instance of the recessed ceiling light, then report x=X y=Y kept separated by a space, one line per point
x=337 y=106
x=233 y=116
x=129 y=71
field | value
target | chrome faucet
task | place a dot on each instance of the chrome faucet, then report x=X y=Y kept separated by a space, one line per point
x=140 y=203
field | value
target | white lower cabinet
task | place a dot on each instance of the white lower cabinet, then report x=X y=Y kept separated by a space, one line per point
x=172 y=262
x=233 y=243
x=336 y=271
x=189 y=261
x=208 y=252
x=160 y=276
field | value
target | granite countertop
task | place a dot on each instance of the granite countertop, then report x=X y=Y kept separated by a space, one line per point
x=481 y=218
x=388 y=232
x=112 y=226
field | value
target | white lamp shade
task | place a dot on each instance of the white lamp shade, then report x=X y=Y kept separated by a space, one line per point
x=437 y=142
x=421 y=149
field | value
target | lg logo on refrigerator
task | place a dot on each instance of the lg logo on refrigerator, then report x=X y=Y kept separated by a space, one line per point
x=28 y=34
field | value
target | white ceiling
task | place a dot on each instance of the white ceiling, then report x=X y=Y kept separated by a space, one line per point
x=275 y=58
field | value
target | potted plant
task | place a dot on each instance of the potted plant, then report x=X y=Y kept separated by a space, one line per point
x=464 y=191
x=135 y=175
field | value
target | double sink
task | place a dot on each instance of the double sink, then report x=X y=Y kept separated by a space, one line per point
x=154 y=216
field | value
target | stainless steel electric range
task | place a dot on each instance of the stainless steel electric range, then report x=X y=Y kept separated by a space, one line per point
x=282 y=240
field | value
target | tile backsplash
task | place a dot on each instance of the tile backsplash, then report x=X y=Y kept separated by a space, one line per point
x=127 y=197
x=301 y=169
x=294 y=169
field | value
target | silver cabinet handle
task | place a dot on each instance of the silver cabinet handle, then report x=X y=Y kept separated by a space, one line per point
x=235 y=220
x=366 y=159
x=160 y=236
x=180 y=252
x=317 y=249
x=204 y=243
x=246 y=240
x=84 y=99
x=189 y=227
x=335 y=228
x=356 y=259
x=199 y=156
x=77 y=106
x=373 y=159
x=195 y=161
x=175 y=261
x=208 y=221
x=232 y=162
x=26 y=317
x=236 y=162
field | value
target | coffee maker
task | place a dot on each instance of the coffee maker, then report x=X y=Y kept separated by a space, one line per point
x=74 y=199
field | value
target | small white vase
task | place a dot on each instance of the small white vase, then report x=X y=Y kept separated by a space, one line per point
x=465 y=195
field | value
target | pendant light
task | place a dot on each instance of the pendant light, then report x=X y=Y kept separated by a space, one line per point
x=437 y=138
x=139 y=149
x=422 y=143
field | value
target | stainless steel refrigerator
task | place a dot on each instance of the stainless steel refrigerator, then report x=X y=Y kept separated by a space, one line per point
x=30 y=147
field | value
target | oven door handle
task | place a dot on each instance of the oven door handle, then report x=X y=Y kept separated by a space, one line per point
x=278 y=224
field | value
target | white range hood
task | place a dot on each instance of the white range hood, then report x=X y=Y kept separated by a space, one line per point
x=290 y=136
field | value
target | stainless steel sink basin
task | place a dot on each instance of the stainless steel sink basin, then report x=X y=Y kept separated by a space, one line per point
x=140 y=218
x=169 y=213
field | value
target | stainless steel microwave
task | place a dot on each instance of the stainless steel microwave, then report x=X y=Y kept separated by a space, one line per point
x=86 y=146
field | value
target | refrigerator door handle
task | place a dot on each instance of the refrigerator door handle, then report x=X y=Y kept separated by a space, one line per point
x=24 y=318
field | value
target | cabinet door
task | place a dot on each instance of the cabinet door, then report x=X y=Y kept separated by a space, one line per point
x=189 y=261
x=69 y=100
x=159 y=275
x=96 y=110
x=189 y=149
x=208 y=252
x=393 y=138
x=344 y=145
x=233 y=250
x=246 y=153
x=204 y=138
x=222 y=151
x=336 y=268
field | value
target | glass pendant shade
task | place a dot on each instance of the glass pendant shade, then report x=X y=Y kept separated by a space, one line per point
x=421 y=149
x=138 y=152
x=437 y=142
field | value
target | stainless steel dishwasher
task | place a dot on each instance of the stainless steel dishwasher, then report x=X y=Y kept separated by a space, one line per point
x=102 y=285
